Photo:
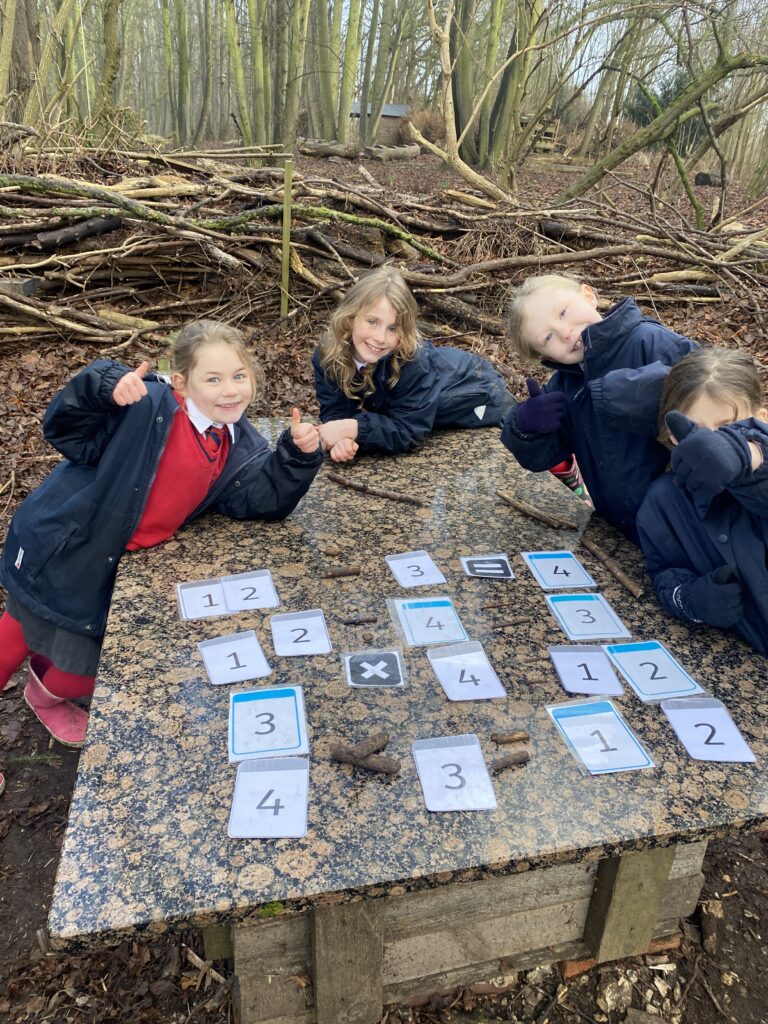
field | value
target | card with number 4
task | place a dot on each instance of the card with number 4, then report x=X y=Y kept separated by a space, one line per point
x=270 y=799
x=453 y=774
x=706 y=730
x=432 y=620
x=586 y=616
x=598 y=737
x=267 y=723
x=464 y=672
x=414 y=569
x=557 y=570
x=235 y=658
x=651 y=671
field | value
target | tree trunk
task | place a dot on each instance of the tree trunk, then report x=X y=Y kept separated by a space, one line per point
x=111 y=36
x=491 y=49
x=257 y=22
x=182 y=105
x=6 y=48
x=365 y=91
x=238 y=72
x=297 y=45
x=462 y=79
x=349 y=69
x=326 y=63
x=205 y=103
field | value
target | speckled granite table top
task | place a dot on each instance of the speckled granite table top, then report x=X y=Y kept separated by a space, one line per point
x=146 y=846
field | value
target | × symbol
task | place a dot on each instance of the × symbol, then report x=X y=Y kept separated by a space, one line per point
x=374 y=670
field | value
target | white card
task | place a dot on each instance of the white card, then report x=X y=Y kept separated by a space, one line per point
x=651 y=670
x=374 y=668
x=557 y=570
x=247 y=590
x=235 y=658
x=706 y=730
x=464 y=672
x=414 y=569
x=453 y=774
x=267 y=723
x=297 y=633
x=585 y=668
x=489 y=567
x=432 y=620
x=201 y=599
x=586 y=616
x=598 y=737
x=270 y=799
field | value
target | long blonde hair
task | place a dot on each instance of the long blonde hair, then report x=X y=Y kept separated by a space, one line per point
x=516 y=308
x=723 y=374
x=337 y=356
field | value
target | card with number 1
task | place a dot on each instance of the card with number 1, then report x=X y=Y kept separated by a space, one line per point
x=598 y=737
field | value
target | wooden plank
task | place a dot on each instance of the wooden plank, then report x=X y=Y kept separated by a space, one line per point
x=278 y=945
x=624 y=911
x=688 y=859
x=270 y=999
x=217 y=942
x=348 y=949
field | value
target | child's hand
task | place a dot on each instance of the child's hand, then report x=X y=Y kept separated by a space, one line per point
x=131 y=388
x=705 y=461
x=337 y=430
x=304 y=435
x=542 y=413
x=715 y=599
x=344 y=450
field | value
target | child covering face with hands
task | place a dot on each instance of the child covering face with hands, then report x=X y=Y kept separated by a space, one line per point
x=141 y=458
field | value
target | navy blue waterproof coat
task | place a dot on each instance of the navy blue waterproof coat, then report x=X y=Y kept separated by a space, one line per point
x=441 y=387
x=610 y=421
x=67 y=537
x=684 y=537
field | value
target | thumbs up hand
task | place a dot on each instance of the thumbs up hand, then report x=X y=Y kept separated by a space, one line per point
x=131 y=387
x=706 y=461
x=542 y=412
x=305 y=436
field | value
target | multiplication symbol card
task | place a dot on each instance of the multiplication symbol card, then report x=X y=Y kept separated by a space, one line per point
x=374 y=668
x=464 y=672
x=247 y=590
x=586 y=616
x=235 y=658
x=488 y=567
x=706 y=730
x=557 y=570
x=585 y=668
x=267 y=723
x=453 y=774
x=297 y=633
x=598 y=737
x=431 y=620
x=414 y=569
x=651 y=671
x=201 y=599
x=270 y=799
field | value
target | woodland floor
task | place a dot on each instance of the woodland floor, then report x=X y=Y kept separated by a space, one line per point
x=145 y=983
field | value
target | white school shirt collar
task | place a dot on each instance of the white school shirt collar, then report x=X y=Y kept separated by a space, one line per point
x=201 y=422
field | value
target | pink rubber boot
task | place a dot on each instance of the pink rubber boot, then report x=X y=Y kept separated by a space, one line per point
x=63 y=720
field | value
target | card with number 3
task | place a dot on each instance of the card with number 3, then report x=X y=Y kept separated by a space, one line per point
x=453 y=774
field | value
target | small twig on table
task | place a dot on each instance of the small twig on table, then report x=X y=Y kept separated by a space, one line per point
x=515 y=758
x=360 y=620
x=375 y=762
x=369 y=746
x=342 y=570
x=613 y=567
x=510 y=737
x=512 y=622
x=379 y=492
x=558 y=522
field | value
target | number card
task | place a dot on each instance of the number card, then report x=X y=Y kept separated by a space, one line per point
x=598 y=737
x=586 y=616
x=374 y=668
x=414 y=569
x=453 y=774
x=267 y=723
x=270 y=799
x=297 y=633
x=464 y=672
x=706 y=730
x=432 y=620
x=247 y=590
x=235 y=658
x=489 y=567
x=556 y=570
x=651 y=671
x=585 y=668
x=201 y=599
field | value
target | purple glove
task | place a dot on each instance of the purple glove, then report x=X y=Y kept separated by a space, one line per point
x=542 y=413
x=706 y=461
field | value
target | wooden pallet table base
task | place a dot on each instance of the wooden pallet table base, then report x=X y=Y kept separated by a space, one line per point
x=341 y=962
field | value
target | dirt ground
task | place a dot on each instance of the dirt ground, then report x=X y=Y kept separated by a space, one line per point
x=165 y=980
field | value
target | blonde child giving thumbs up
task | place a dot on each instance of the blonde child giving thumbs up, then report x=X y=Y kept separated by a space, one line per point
x=141 y=459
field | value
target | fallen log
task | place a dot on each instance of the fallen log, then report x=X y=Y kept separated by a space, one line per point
x=319 y=147
x=392 y=152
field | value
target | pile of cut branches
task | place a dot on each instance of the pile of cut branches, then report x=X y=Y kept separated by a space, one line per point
x=129 y=256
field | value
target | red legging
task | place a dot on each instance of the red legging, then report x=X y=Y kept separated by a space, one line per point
x=13 y=651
